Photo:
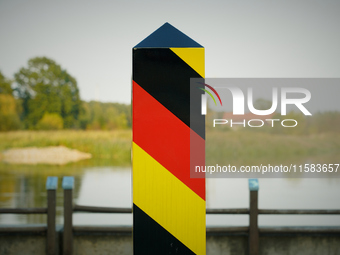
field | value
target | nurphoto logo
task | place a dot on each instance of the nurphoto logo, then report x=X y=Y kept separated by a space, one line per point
x=280 y=98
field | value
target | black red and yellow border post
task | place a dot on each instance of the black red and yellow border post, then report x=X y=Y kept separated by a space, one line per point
x=168 y=205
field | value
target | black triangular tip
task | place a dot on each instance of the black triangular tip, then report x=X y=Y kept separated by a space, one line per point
x=167 y=36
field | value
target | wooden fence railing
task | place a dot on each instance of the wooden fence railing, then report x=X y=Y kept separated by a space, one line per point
x=50 y=228
x=252 y=231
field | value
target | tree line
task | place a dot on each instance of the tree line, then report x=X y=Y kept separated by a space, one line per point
x=44 y=96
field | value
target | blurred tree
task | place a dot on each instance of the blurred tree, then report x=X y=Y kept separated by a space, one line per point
x=5 y=85
x=84 y=115
x=44 y=87
x=262 y=104
x=96 y=115
x=115 y=120
x=9 y=118
x=50 y=121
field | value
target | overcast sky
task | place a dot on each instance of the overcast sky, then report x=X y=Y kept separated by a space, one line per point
x=93 y=40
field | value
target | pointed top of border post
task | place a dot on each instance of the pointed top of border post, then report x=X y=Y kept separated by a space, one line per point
x=167 y=36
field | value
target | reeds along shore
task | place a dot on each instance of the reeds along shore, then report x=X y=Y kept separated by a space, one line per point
x=111 y=147
x=232 y=147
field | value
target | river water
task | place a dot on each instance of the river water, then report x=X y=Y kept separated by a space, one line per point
x=111 y=186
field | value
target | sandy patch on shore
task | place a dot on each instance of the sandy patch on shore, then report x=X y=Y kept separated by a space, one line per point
x=53 y=155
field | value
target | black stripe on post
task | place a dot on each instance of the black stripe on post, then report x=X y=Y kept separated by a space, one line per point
x=165 y=76
x=157 y=240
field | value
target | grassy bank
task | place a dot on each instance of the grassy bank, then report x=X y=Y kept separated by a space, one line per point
x=233 y=147
x=255 y=148
x=106 y=147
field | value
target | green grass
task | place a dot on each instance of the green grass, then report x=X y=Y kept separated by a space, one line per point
x=106 y=147
x=246 y=147
x=231 y=147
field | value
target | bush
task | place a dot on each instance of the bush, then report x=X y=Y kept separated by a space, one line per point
x=50 y=121
x=9 y=119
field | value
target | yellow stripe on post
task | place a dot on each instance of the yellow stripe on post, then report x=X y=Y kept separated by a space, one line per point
x=194 y=57
x=184 y=206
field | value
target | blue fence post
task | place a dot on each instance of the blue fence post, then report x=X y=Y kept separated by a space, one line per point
x=253 y=217
x=68 y=185
x=51 y=187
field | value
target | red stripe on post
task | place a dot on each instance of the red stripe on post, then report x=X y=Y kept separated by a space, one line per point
x=152 y=120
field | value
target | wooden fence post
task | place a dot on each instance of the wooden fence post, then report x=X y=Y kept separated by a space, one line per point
x=168 y=205
x=51 y=187
x=253 y=217
x=68 y=184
